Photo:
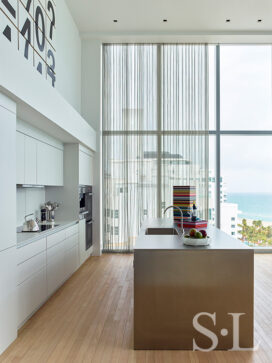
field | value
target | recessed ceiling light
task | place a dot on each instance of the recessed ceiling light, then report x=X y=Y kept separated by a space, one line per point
x=227 y=20
x=115 y=21
x=259 y=20
x=165 y=20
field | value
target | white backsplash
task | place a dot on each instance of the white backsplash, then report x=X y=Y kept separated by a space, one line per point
x=29 y=200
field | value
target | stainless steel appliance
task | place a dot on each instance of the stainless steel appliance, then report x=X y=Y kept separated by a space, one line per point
x=31 y=224
x=85 y=211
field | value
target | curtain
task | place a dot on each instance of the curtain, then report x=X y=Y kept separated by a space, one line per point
x=185 y=105
x=155 y=133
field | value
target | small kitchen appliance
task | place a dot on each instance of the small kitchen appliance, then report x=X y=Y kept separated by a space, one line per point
x=31 y=224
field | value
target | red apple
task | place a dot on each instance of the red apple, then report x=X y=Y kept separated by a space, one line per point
x=193 y=232
x=204 y=233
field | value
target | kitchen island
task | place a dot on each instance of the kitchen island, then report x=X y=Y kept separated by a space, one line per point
x=173 y=283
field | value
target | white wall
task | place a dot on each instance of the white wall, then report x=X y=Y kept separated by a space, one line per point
x=29 y=200
x=91 y=111
x=68 y=56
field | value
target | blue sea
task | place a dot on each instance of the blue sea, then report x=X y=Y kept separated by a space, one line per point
x=257 y=206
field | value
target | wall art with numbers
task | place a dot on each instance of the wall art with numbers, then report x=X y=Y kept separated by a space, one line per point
x=30 y=27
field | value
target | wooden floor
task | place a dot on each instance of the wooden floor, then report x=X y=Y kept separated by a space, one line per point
x=90 y=319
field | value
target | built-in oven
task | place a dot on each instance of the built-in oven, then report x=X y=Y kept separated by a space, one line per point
x=89 y=234
x=86 y=211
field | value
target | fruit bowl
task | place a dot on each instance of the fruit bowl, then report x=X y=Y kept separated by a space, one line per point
x=193 y=241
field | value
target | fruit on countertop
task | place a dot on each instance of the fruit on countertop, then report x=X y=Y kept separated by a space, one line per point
x=192 y=232
x=198 y=235
x=204 y=233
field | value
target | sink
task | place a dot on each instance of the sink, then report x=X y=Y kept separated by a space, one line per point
x=161 y=231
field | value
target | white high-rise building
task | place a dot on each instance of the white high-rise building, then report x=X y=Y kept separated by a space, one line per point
x=229 y=218
x=229 y=211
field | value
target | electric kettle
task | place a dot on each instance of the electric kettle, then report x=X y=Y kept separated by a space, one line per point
x=30 y=225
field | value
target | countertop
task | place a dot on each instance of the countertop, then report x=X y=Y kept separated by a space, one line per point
x=219 y=239
x=24 y=238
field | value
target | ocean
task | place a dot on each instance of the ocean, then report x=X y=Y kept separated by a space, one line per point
x=257 y=206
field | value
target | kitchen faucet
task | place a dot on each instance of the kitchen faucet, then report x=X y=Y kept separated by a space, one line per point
x=181 y=216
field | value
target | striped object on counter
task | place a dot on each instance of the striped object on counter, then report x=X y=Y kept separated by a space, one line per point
x=184 y=197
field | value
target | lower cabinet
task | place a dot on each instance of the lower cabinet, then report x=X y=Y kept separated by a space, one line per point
x=31 y=294
x=8 y=298
x=43 y=267
x=55 y=269
x=71 y=261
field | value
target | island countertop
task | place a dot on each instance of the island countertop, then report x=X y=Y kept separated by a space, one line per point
x=219 y=239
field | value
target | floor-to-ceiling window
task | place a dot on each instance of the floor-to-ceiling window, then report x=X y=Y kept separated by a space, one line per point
x=155 y=133
x=242 y=130
x=148 y=144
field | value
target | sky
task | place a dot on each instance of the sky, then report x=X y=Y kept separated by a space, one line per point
x=245 y=105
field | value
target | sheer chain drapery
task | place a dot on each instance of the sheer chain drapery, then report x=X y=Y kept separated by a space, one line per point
x=155 y=133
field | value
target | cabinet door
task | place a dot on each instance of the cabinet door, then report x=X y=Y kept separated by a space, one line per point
x=85 y=169
x=31 y=294
x=56 y=269
x=49 y=165
x=8 y=298
x=43 y=163
x=82 y=241
x=71 y=261
x=20 y=158
x=30 y=160
x=30 y=267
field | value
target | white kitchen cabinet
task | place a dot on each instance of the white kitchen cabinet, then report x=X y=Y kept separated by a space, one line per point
x=8 y=298
x=49 y=165
x=26 y=159
x=55 y=269
x=55 y=239
x=71 y=261
x=20 y=158
x=82 y=241
x=8 y=174
x=31 y=294
x=8 y=292
x=30 y=267
x=38 y=163
x=85 y=168
x=42 y=267
x=30 y=160
x=32 y=249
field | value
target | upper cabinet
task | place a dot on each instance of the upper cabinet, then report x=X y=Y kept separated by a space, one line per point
x=85 y=166
x=38 y=162
x=49 y=165
x=26 y=163
x=20 y=158
x=30 y=160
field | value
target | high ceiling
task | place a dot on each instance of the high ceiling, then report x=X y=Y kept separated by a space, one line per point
x=146 y=16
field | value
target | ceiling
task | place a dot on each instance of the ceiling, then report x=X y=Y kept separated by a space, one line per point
x=146 y=16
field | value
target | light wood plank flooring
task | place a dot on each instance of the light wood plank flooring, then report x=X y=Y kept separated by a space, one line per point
x=90 y=319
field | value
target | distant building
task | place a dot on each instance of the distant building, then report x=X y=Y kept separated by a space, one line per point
x=229 y=211
x=229 y=219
